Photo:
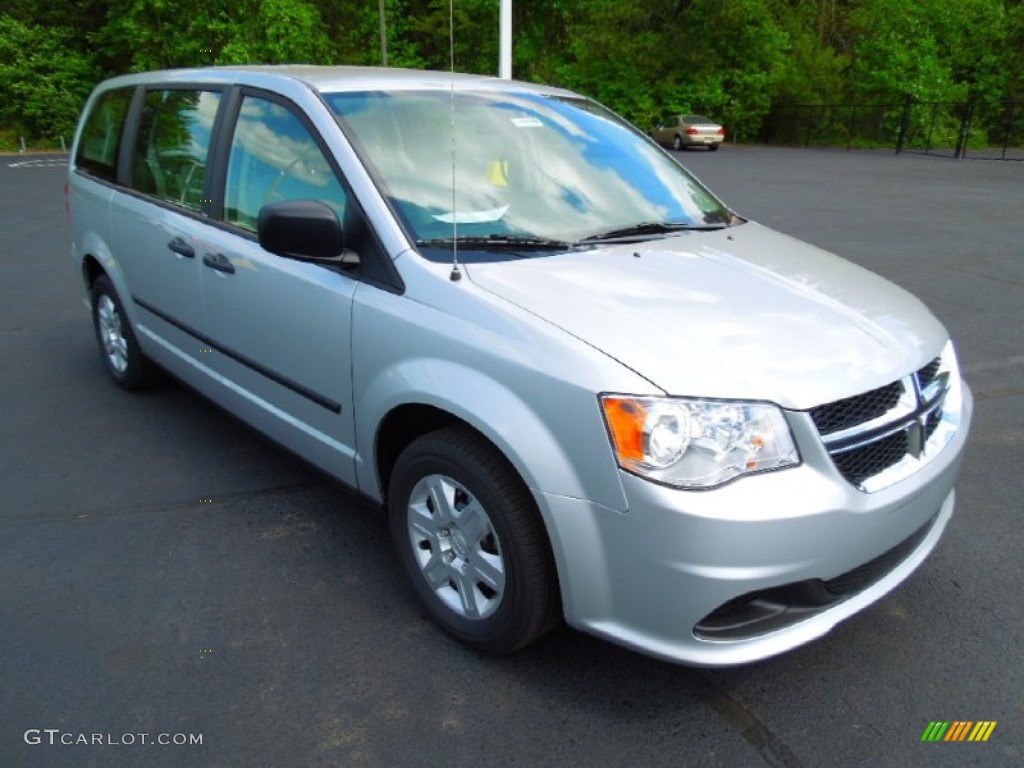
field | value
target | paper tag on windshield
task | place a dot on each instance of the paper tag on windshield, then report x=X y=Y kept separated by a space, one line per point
x=527 y=122
x=472 y=217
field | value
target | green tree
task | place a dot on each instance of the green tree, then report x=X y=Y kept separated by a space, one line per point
x=818 y=56
x=273 y=32
x=1013 y=50
x=737 y=54
x=354 y=29
x=735 y=59
x=615 y=56
x=161 y=34
x=723 y=57
x=44 y=80
x=931 y=49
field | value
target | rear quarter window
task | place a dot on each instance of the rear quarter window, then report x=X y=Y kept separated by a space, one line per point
x=173 y=143
x=100 y=142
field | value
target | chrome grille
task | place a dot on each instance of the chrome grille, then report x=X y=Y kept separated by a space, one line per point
x=932 y=423
x=851 y=411
x=868 y=460
x=876 y=431
x=927 y=375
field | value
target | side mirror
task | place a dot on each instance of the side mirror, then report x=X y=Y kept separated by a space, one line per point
x=307 y=230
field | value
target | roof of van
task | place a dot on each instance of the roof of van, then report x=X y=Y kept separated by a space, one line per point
x=328 y=79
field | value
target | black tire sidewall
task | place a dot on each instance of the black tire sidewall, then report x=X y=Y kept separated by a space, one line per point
x=134 y=375
x=432 y=456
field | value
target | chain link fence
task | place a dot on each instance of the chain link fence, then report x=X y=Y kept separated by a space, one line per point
x=976 y=128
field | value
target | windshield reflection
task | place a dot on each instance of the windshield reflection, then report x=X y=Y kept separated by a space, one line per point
x=525 y=165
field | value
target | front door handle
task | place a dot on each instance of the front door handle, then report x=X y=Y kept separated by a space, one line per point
x=220 y=262
x=180 y=247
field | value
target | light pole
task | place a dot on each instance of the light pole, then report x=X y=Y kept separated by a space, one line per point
x=505 y=44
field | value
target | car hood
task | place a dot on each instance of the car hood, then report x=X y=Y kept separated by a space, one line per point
x=742 y=312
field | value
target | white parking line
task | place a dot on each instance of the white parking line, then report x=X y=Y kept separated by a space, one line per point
x=41 y=163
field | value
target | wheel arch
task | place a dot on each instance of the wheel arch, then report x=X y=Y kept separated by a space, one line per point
x=97 y=261
x=489 y=408
x=408 y=421
x=403 y=401
x=399 y=428
x=91 y=270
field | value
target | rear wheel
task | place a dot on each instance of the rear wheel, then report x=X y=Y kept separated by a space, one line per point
x=122 y=356
x=470 y=538
x=714 y=147
x=677 y=143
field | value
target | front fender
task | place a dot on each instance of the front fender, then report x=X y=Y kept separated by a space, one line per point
x=522 y=431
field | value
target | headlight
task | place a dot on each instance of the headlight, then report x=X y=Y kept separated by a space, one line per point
x=696 y=443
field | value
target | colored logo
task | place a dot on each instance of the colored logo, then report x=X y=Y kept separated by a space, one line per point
x=958 y=730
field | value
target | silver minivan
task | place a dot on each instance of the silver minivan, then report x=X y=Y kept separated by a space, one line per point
x=582 y=387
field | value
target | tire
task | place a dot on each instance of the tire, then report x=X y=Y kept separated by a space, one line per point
x=713 y=147
x=470 y=539
x=677 y=143
x=123 y=358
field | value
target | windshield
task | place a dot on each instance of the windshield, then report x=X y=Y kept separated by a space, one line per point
x=526 y=166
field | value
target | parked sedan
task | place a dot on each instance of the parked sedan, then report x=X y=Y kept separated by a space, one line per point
x=682 y=131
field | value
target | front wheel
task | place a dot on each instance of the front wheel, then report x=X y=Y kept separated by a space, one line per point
x=470 y=538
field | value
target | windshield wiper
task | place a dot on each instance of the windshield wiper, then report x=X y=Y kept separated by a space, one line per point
x=647 y=228
x=497 y=242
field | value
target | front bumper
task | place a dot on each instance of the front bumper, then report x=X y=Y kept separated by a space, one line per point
x=648 y=577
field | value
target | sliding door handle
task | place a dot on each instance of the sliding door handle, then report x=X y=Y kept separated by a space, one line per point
x=180 y=247
x=220 y=262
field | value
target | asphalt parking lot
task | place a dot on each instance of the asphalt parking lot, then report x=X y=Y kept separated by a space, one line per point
x=164 y=570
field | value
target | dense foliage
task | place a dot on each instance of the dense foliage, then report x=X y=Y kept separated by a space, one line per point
x=735 y=59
